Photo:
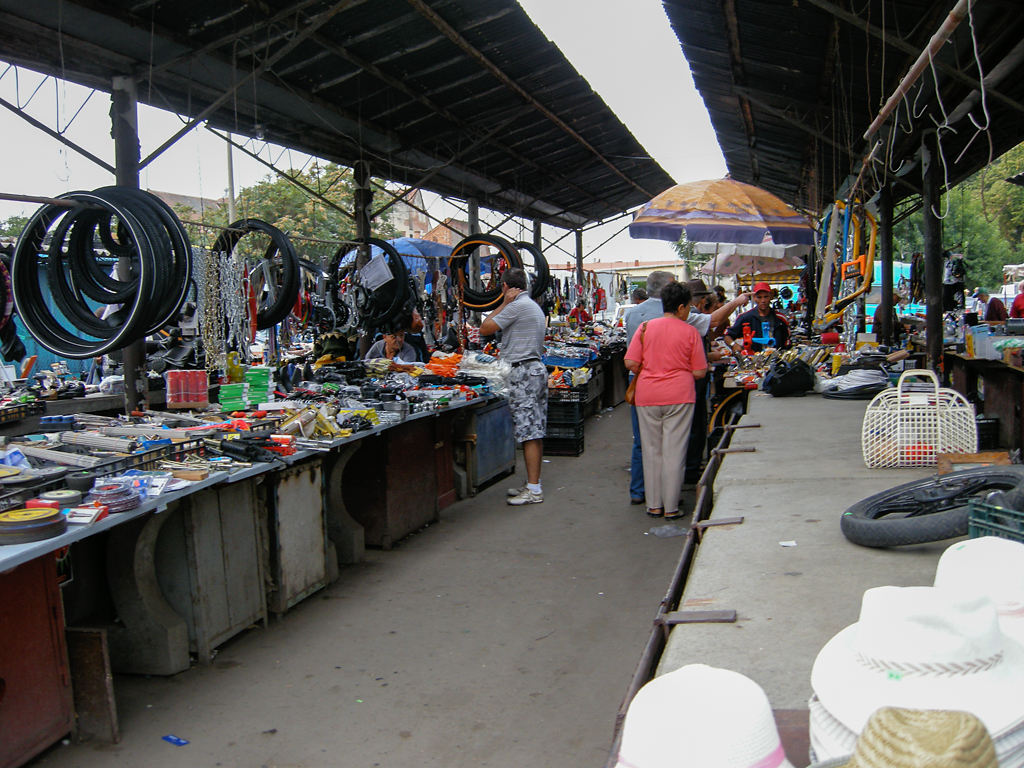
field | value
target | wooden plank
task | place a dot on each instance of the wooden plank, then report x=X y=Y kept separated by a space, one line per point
x=93 y=685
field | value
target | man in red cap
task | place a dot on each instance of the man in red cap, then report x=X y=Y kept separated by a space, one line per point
x=763 y=321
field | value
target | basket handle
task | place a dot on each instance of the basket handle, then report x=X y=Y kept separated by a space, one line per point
x=921 y=373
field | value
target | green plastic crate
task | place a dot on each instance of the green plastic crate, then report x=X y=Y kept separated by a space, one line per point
x=986 y=519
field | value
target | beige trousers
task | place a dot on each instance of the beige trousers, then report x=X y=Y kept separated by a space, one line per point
x=664 y=432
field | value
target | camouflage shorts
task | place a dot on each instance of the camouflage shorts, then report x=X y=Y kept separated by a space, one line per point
x=528 y=401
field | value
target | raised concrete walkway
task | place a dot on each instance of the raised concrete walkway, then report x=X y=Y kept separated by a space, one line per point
x=806 y=469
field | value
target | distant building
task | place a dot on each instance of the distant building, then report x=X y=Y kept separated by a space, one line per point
x=443 y=233
x=404 y=217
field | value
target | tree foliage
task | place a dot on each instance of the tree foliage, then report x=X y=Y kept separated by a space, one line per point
x=300 y=215
x=12 y=227
x=983 y=218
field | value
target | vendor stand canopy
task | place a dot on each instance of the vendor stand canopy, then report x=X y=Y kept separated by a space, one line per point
x=466 y=98
x=721 y=211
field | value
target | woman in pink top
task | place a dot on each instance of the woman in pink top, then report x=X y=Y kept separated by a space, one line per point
x=668 y=354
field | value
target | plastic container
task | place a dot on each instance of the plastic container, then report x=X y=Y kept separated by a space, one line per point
x=986 y=519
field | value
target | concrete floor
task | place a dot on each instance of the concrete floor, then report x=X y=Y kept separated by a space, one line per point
x=807 y=468
x=500 y=636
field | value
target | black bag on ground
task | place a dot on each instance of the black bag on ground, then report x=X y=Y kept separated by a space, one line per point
x=788 y=379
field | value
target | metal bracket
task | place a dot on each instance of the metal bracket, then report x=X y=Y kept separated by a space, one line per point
x=672 y=618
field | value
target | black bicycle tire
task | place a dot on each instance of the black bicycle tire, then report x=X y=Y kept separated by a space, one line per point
x=543 y=279
x=862 y=525
x=28 y=297
x=482 y=301
x=400 y=282
x=285 y=300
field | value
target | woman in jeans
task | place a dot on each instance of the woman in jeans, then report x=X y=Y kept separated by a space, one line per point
x=669 y=355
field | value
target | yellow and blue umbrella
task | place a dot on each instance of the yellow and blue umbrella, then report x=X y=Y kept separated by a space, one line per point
x=721 y=211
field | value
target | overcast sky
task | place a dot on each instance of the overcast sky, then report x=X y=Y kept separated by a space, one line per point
x=627 y=52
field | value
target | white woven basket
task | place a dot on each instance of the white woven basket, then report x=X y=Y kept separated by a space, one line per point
x=909 y=428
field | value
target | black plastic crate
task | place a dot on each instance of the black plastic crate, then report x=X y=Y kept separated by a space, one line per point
x=567 y=394
x=565 y=413
x=563 y=446
x=564 y=431
x=988 y=432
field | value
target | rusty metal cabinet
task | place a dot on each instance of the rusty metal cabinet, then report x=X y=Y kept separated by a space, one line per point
x=209 y=564
x=298 y=547
x=35 y=684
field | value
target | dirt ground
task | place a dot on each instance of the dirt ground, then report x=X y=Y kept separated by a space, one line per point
x=500 y=636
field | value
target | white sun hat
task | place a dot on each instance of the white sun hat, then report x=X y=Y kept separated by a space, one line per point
x=923 y=648
x=703 y=717
x=988 y=566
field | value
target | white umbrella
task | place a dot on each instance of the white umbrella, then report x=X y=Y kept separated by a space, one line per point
x=751 y=259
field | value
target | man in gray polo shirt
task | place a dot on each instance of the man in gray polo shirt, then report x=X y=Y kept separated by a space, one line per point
x=522 y=326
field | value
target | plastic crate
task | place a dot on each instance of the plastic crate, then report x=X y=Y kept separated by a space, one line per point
x=567 y=394
x=563 y=446
x=564 y=431
x=986 y=519
x=565 y=413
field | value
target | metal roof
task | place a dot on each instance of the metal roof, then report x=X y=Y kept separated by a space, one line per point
x=792 y=86
x=467 y=93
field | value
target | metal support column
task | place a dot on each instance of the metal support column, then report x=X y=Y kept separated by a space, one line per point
x=931 y=186
x=473 y=221
x=124 y=116
x=884 y=331
x=579 y=261
x=538 y=240
x=232 y=211
x=362 y=197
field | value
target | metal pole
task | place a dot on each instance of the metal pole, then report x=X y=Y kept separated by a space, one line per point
x=884 y=331
x=473 y=220
x=579 y=261
x=931 y=182
x=124 y=115
x=232 y=212
x=362 y=197
x=538 y=239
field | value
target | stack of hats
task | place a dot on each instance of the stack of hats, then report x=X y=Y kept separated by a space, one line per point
x=954 y=646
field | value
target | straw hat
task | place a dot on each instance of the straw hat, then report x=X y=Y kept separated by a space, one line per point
x=992 y=567
x=920 y=738
x=922 y=648
x=704 y=717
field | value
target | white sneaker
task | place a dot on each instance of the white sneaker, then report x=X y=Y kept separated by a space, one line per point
x=526 y=496
x=517 y=491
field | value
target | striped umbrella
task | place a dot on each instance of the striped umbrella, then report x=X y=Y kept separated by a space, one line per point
x=721 y=211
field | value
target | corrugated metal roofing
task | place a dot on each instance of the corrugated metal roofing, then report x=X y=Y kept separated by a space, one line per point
x=468 y=91
x=792 y=86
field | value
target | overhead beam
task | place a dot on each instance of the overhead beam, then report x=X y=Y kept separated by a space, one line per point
x=739 y=80
x=900 y=44
x=452 y=34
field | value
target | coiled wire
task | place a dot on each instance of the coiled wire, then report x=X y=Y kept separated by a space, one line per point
x=80 y=306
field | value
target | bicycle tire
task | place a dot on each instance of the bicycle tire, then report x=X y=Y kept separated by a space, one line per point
x=867 y=523
x=542 y=281
x=482 y=301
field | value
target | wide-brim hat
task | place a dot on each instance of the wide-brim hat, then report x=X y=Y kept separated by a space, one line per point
x=701 y=716
x=988 y=566
x=922 y=648
x=920 y=738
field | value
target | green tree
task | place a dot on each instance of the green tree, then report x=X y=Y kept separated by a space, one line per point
x=12 y=226
x=297 y=213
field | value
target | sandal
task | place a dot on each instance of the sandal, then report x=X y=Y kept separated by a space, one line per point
x=673 y=515
x=655 y=513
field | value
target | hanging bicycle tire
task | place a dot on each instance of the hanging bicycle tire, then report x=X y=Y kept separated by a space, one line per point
x=110 y=223
x=924 y=510
x=279 y=269
x=458 y=261
x=542 y=277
